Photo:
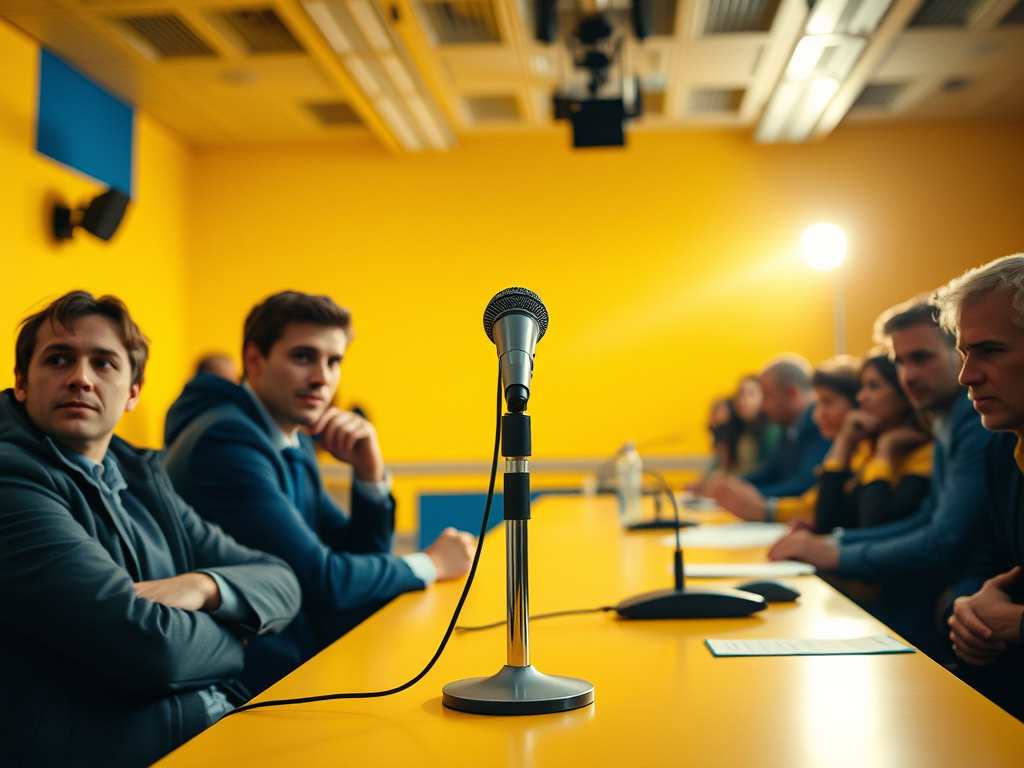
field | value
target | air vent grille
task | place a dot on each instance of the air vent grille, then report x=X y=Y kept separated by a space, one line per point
x=943 y=13
x=1015 y=16
x=663 y=17
x=879 y=96
x=710 y=101
x=334 y=113
x=726 y=16
x=260 y=30
x=493 y=108
x=167 y=35
x=956 y=84
x=461 y=22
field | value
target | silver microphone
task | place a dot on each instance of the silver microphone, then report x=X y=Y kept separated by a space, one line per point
x=515 y=320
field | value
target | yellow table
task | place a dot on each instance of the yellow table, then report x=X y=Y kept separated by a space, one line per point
x=660 y=698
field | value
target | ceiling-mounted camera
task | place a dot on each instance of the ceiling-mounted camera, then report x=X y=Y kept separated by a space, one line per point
x=599 y=91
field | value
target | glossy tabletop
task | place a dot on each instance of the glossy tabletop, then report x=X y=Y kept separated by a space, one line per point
x=660 y=697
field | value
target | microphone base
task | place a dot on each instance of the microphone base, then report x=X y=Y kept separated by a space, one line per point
x=517 y=691
x=691 y=603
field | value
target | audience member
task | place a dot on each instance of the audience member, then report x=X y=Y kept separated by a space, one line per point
x=218 y=364
x=788 y=401
x=124 y=612
x=880 y=463
x=985 y=308
x=916 y=558
x=745 y=438
x=237 y=454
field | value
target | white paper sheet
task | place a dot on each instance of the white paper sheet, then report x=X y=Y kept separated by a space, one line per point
x=729 y=536
x=876 y=644
x=776 y=570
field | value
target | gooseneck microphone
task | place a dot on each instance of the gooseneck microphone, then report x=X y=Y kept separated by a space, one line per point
x=515 y=320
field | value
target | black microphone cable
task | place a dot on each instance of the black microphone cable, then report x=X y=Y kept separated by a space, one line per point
x=451 y=624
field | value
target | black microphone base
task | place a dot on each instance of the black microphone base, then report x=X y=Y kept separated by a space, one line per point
x=517 y=691
x=691 y=603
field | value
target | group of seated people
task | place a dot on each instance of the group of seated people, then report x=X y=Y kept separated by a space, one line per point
x=900 y=476
x=145 y=594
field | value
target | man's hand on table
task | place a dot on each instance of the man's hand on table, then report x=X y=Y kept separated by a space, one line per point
x=807 y=547
x=735 y=495
x=452 y=553
x=983 y=623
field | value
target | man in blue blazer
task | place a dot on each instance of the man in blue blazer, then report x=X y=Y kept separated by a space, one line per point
x=985 y=308
x=916 y=558
x=243 y=456
x=123 y=612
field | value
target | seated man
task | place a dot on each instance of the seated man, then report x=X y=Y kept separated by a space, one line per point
x=916 y=558
x=789 y=470
x=124 y=612
x=985 y=308
x=237 y=454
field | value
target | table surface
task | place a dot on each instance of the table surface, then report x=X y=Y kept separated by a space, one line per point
x=660 y=696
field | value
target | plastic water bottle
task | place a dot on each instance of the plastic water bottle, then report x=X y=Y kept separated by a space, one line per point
x=629 y=469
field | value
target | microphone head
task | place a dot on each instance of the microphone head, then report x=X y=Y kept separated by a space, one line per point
x=515 y=300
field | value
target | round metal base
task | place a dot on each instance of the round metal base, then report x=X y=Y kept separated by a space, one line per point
x=517 y=691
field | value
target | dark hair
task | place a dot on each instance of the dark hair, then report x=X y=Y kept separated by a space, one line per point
x=71 y=307
x=907 y=315
x=886 y=368
x=266 y=323
x=842 y=377
x=728 y=434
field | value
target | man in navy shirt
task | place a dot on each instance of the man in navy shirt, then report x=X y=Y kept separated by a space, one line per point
x=985 y=308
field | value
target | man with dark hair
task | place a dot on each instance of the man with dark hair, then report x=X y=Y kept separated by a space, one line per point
x=244 y=457
x=916 y=558
x=124 y=613
x=985 y=308
x=789 y=470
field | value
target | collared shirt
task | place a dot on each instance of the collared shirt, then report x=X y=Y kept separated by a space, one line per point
x=139 y=527
x=377 y=492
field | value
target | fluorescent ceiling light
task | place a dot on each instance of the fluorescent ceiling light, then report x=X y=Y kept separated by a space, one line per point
x=321 y=15
x=398 y=124
x=867 y=18
x=427 y=122
x=398 y=73
x=805 y=58
x=821 y=92
x=362 y=75
x=825 y=17
x=370 y=24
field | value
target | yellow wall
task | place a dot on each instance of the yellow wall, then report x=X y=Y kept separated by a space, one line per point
x=143 y=263
x=668 y=268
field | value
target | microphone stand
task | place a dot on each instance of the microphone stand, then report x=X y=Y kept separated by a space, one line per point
x=518 y=689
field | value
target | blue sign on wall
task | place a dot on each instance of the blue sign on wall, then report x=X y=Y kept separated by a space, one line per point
x=82 y=125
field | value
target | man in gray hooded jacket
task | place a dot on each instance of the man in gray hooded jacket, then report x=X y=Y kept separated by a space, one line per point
x=122 y=613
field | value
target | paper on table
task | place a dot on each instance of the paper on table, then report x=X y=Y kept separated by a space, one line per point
x=729 y=536
x=776 y=570
x=875 y=644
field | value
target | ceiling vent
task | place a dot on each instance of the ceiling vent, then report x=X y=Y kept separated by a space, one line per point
x=331 y=114
x=879 y=96
x=715 y=101
x=461 y=22
x=166 y=36
x=258 y=30
x=493 y=108
x=725 y=16
x=955 y=84
x=663 y=17
x=944 y=13
x=1015 y=16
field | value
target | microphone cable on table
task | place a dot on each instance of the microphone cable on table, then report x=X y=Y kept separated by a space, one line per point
x=451 y=625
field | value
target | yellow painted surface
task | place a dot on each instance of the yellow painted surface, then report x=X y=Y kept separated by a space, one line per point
x=660 y=697
x=143 y=263
x=669 y=268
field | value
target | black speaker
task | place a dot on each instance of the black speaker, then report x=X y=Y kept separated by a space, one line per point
x=546 y=20
x=642 y=13
x=101 y=217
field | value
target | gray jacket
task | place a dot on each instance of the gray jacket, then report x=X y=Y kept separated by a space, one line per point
x=90 y=674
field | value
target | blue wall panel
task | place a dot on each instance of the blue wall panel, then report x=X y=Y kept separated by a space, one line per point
x=83 y=126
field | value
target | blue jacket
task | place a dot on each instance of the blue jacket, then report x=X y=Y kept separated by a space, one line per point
x=222 y=460
x=789 y=470
x=937 y=540
x=91 y=674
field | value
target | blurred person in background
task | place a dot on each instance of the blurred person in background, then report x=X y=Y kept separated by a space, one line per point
x=743 y=435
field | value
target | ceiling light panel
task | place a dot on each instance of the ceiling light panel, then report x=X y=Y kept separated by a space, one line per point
x=370 y=24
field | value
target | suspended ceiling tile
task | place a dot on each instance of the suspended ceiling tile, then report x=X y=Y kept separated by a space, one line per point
x=478 y=68
x=728 y=59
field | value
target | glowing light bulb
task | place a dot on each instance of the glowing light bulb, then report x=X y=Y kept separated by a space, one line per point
x=823 y=245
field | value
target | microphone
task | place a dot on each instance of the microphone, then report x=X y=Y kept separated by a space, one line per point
x=515 y=320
